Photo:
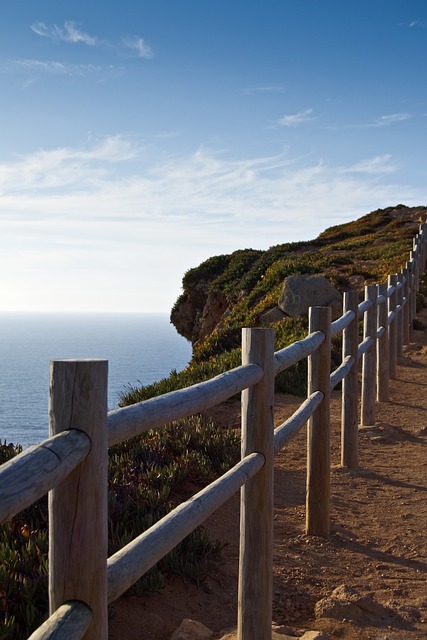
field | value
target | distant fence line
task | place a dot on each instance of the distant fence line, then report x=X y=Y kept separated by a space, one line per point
x=72 y=464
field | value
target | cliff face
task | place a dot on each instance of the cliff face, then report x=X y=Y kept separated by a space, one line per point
x=197 y=312
x=243 y=288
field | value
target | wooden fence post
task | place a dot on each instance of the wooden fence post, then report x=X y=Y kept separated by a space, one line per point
x=382 y=348
x=78 y=515
x=318 y=436
x=350 y=391
x=255 y=605
x=400 y=314
x=410 y=267
x=369 y=359
x=405 y=312
x=392 y=328
x=423 y=236
x=414 y=257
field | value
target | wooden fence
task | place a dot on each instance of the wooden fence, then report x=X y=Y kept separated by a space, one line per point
x=72 y=464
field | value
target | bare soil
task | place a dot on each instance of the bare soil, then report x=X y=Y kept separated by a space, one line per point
x=378 y=540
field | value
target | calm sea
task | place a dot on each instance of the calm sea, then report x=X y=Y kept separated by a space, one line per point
x=140 y=348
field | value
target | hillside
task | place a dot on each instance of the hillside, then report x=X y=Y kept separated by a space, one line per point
x=226 y=290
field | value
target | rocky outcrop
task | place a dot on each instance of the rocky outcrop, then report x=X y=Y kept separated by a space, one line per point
x=301 y=292
x=198 y=311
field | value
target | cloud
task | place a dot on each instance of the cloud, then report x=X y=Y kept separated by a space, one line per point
x=68 y=33
x=418 y=24
x=385 y=121
x=107 y=227
x=202 y=188
x=376 y=165
x=267 y=89
x=54 y=67
x=65 y=167
x=382 y=121
x=295 y=119
x=138 y=44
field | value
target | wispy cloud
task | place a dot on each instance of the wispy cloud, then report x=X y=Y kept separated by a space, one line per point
x=385 y=121
x=202 y=186
x=139 y=46
x=54 y=67
x=296 y=119
x=112 y=224
x=376 y=165
x=382 y=121
x=417 y=23
x=64 y=167
x=265 y=89
x=70 y=32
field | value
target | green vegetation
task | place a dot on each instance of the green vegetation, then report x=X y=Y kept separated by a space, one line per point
x=148 y=476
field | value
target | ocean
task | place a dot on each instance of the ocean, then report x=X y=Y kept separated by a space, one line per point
x=140 y=348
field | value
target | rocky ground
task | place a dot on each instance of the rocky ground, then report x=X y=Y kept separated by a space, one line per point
x=367 y=580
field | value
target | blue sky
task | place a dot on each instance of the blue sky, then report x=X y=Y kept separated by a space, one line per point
x=142 y=137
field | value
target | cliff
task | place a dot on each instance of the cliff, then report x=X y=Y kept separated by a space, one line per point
x=243 y=288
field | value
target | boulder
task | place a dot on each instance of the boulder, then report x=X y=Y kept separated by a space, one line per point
x=347 y=602
x=192 y=630
x=301 y=292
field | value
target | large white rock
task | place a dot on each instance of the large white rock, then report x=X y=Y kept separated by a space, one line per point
x=301 y=292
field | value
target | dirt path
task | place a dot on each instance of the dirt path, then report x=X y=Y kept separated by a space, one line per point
x=377 y=546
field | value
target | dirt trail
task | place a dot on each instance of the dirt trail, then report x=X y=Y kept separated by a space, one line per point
x=378 y=541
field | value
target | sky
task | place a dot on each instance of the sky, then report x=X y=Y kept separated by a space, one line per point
x=141 y=137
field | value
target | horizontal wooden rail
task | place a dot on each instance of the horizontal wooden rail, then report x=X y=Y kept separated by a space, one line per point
x=69 y=622
x=366 y=344
x=390 y=317
x=32 y=473
x=131 y=421
x=380 y=331
x=137 y=557
x=340 y=373
x=286 y=431
x=381 y=299
x=341 y=323
x=365 y=306
x=297 y=351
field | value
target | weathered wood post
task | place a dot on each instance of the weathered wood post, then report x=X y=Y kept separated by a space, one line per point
x=405 y=312
x=382 y=346
x=350 y=393
x=411 y=294
x=255 y=605
x=399 y=314
x=423 y=236
x=78 y=506
x=392 y=328
x=318 y=435
x=369 y=359
x=414 y=256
